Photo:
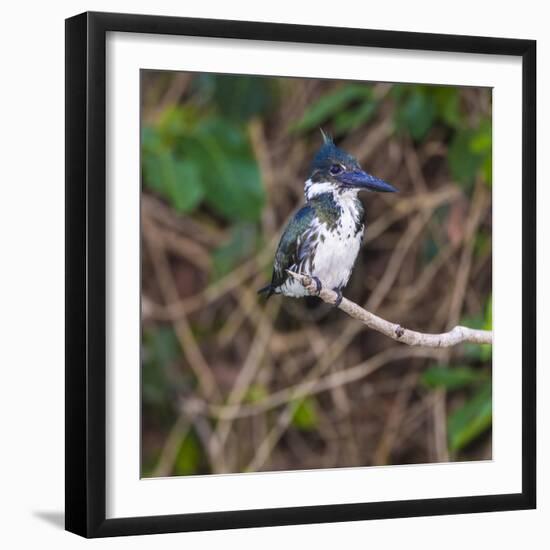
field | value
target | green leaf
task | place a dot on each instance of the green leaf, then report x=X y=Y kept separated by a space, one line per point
x=447 y=103
x=151 y=149
x=463 y=162
x=189 y=457
x=399 y=92
x=330 y=104
x=176 y=180
x=482 y=243
x=162 y=345
x=176 y=122
x=256 y=393
x=160 y=348
x=242 y=97
x=186 y=190
x=476 y=352
x=482 y=139
x=481 y=144
x=471 y=420
x=151 y=141
x=305 y=416
x=417 y=114
x=351 y=119
x=189 y=157
x=487 y=170
x=228 y=171
x=451 y=378
x=486 y=352
x=470 y=154
x=152 y=173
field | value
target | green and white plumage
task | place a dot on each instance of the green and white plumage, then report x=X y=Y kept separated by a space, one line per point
x=324 y=237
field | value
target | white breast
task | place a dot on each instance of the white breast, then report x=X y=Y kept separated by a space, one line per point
x=336 y=254
x=336 y=251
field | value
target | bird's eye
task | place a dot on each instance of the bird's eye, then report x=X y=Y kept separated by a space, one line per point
x=335 y=169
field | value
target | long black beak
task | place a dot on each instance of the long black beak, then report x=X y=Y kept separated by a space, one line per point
x=361 y=180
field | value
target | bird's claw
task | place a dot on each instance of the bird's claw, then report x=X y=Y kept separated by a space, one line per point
x=338 y=297
x=315 y=286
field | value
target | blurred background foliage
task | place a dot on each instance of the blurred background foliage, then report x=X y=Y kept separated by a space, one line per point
x=230 y=383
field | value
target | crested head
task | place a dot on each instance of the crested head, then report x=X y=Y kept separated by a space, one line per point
x=331 y=160
x=333 y=170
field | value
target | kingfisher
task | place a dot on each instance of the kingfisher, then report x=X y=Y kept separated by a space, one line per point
x=323 y=238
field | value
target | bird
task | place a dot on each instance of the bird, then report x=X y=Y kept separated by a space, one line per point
x=322 y=240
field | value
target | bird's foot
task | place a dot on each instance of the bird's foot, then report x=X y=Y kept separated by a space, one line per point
x=338 y=297
x=315 y=286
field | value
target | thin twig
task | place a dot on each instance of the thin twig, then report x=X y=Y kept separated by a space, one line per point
x=396 y=332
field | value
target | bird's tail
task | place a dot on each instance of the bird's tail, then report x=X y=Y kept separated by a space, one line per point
x=267 y=289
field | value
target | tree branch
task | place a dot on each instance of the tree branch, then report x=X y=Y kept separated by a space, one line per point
x=410 y=337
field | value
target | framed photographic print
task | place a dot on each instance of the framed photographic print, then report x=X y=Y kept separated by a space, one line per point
x=300 y=274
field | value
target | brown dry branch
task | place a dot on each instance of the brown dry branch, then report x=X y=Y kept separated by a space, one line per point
x=292 y=396
x=246 y=375
x=182 y=329
x=318 y=383
x=394 y=331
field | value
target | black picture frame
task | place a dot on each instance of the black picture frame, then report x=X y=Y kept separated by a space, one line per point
x=86 y=274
